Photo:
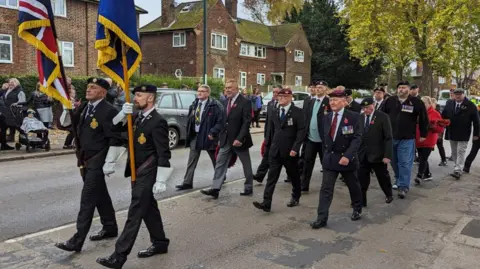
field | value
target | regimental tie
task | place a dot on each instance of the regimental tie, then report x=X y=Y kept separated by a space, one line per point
x=282 y=116
x=139 y=119
x=89 y=110
x=229 y=106
x=333 y=127
x=367 y=124
x=197 y=113
x=376 y=106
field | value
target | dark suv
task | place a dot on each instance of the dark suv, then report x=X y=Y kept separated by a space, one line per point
x=173 y=105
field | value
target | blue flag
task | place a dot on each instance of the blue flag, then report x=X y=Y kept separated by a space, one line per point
x=117 y=23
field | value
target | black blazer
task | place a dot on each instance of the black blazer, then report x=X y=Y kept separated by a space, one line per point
x=322 y=113
x=377 y=140
x=237 y=123
x=354 y=106
x=150 y=140
x=287 y=135
x=461 y=123
x=345 y=144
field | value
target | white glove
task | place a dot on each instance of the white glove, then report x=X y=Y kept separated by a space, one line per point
x=127 y=109
x=65 y=119
x=163 y=173
x=114 y=153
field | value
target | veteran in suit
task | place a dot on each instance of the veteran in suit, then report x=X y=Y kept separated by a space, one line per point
x=152 y=164
x=98 y=146
x=376 y=149
x=235 y=139
x=343 y=135
x=287 y=134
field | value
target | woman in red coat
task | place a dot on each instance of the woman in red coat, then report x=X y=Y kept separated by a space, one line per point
x=426 y=146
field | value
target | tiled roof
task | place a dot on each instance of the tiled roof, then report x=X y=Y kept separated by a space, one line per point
x=139 y=9
x=249 y=31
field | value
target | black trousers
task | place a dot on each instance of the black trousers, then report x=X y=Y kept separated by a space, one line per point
x=473 y=153
x=256 y=118
x=383 y=177
x=142 y=207
x=291 y=167
x=423 y=167
x=312 y=149
x=328 y=186
x=69 y=139
x=262 y=169
x=441 y=148
x=3 y=131
x=94 y=195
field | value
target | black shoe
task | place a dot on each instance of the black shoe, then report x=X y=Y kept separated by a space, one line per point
x=443 y=163
x=364 y=203
x=68 y=246
x=402 y=193
x=317 y=224
x=288 y=180
x=306 y=190
x=103 y=235
x=389 y=199
x=246 y=193
x=263 y=206
x=6 y=147
x=456 y=175
x=356 y=215
x=211 y=192
x=466 y=170
x=293 y=203
x=153 y=250
x=113 y=261
x=258 y=178
x=183 y=187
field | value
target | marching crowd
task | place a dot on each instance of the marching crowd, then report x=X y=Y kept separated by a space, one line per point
x=351 y=140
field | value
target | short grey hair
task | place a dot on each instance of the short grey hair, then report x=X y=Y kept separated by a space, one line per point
x=205 y=86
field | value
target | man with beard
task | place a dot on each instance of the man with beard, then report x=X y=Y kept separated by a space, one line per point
x=98 y=146
x=152 y=162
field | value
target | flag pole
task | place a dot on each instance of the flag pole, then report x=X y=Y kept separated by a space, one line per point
x=129 y=116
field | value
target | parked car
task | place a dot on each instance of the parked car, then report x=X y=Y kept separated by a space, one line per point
x=173 y=105
x=298 y=98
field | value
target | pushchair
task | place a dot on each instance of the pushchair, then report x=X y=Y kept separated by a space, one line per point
x=31 y=134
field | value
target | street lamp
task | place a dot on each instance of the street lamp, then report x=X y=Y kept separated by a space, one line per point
x=205 y=41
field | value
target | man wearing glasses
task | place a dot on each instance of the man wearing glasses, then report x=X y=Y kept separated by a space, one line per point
x=203 y=127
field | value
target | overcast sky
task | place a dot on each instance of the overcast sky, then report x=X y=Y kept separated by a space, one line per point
x=154 y=8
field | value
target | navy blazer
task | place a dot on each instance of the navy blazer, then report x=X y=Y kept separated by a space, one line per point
x=345 y=145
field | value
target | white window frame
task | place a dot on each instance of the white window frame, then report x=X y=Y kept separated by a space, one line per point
x=250 y=50
x=224 y=41
x=64 y=15
x=7 y=5
x=299 y=56
x=261 y=79
x=219 y=72
x=63 y=49
x=179 y=36
x=11 y=49
x=243 y=80
x=442 y=80
x=297 y=79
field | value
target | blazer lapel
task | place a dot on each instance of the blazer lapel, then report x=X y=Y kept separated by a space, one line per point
x=234 y=105
x=340 y=125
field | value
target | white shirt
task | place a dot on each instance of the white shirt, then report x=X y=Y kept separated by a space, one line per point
x=320 y=98
x=146 y=113
x=339 y=120
x=234 y=99
x=204 y=103
x=287 y=107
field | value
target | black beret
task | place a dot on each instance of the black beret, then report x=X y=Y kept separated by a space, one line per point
x=145 y=88
x=100 y=82
x=348 y=92
x=414 y=86
x=379 y=89
x=403 y=83
x=285 y=91
x=321 y=82
x=367 y=101
x=458 y=91
x=337 y=93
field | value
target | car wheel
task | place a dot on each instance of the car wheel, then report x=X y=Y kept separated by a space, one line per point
x=173 y=138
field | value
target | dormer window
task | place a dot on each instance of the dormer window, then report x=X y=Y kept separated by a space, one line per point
x=186 y=8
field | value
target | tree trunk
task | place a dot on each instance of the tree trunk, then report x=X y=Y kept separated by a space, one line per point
x=427 y=78
x=399 y=73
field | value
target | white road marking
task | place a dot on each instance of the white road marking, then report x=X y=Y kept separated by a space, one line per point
x=28 y=236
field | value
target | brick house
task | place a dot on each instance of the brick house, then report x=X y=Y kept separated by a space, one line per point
x=76 y=22
x=250 y=52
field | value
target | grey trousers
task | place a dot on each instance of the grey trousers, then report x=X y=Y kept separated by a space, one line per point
x=193 y=161
x=458 y=154
x=223 y=158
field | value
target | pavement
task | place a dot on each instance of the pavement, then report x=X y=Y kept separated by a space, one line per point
x=436 y=227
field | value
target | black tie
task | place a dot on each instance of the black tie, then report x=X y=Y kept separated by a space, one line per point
x=367 y=124
x=282 y=116
x=376 y=106
x=139 y=119
x=89 y=110
x=457 y=109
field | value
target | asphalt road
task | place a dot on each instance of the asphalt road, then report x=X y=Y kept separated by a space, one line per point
x=44 y=193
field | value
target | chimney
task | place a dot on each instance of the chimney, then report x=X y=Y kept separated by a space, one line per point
x=232 y=6
x=168 y=12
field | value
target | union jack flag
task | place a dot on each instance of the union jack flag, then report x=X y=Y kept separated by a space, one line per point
x=36 y=27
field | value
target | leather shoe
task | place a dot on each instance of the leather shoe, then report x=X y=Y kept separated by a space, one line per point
x=153 y=250
x=293 y=203
x=317 y=224
x=258 y=178
x=113 y=261
x=103 y=235
x=211 y=192
x=389 y=199
x=184 y=187
x=263 y=206
x=246 y=193
x=356 y=216
x=68 y=246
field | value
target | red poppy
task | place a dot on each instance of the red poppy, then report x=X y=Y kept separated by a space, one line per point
x=209 y=113
x=234 y=105
x=372 y=122
x=345 y=121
